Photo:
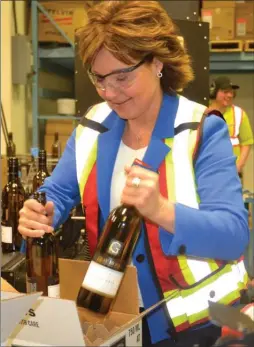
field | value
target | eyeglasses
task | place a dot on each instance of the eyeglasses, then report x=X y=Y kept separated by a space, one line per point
x=119 y=79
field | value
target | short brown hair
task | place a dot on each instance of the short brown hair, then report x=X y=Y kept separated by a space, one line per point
x=131 y=30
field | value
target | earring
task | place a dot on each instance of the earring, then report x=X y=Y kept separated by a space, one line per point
x=159 y=74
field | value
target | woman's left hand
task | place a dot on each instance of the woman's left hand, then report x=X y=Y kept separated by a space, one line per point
x=145 y=196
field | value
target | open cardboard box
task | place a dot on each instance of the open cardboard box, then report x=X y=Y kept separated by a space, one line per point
x=122 y=325
x=14 y=306
x=58 y=322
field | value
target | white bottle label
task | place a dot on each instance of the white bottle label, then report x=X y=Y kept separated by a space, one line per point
x=54 y=291
x=6 y=234
x=102 y=280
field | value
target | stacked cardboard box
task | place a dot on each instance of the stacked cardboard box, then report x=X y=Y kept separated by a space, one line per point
x=64 y=128
x=69 y=15
x=244 y=20
x=221 y=17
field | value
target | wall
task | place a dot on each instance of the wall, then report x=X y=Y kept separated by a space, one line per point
x=13 y=97
x=20 y=109
x=6 y=89
x=245 y=100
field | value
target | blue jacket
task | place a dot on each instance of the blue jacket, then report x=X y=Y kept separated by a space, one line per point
x=218 y=230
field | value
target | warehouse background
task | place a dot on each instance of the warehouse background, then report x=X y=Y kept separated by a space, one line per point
x=229 y=21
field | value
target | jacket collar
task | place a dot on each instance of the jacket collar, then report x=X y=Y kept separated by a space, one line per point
x=108 y=144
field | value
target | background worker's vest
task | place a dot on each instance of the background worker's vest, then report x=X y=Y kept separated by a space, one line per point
x=190 y=281
x=236 y=114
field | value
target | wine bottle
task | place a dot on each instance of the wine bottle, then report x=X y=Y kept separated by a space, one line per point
x=56 y=147
x=112 y=255
x=42 y=172
x=42 y=261
x=13 y=197
x=11 y=147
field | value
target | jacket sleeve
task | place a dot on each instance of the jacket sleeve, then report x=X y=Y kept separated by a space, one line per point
x=219 y=228
x=62 y=186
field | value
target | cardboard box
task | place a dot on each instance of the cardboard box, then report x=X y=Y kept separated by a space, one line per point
x=58 y=322
x=14 y=306
x=6 y=287
x=69 y=15
x=62 y=127
x=49 y=139
x=244 y=20
x=221 y=21
x=218 y=4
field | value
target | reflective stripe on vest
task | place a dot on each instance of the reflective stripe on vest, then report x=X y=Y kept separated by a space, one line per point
x=191 y=304
x=237 y=115
x=184 y=187
x=86 y=144
x=205 y=279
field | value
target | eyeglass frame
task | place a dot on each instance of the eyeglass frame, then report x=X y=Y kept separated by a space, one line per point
x=124 y=70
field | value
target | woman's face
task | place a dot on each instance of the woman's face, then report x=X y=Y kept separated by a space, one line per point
x=130 y=94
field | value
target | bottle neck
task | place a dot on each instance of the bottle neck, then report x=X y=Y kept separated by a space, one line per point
x=13 y=176
x=42 y=164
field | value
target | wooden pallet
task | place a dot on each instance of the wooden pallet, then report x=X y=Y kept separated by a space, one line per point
x=226 y=46
x=249 y=46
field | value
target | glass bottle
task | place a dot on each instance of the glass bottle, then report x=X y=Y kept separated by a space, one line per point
x=42 y=261
x=13 y=197
x=42 y=172
x=112 y=255
x=11 y=147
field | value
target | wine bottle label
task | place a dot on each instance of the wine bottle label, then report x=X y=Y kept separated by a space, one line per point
x=102 y=280
x=6 y=234
x=54 y=291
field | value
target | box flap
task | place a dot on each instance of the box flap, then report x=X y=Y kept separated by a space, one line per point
x=5 y=286
x=14 y=306
x=51 y=322
x=72 y=273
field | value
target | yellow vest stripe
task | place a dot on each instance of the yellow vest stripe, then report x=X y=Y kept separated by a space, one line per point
x=170 y=174
x=86 y=144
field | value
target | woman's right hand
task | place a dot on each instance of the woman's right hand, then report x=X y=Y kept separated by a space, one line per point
x=35 y=219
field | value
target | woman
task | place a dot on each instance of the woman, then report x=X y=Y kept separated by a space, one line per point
x=193 y=210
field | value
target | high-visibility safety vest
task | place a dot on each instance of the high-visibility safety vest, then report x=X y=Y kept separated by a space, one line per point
x=237 y=119
x=193 y=281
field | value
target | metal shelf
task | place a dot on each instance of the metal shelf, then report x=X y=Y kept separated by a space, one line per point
x=59 y=60
x=57 y=116
x=236 y=62
x=61 y=56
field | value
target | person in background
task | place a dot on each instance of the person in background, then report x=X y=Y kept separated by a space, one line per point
x=195 y=224
x=222 y=95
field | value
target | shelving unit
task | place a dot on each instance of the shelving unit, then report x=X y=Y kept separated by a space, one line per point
x=232 y=62
x=60 y=60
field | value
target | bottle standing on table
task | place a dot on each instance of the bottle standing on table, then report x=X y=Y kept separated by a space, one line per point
x=111 y=257
x=42 y=172
x=11 y=147
x=56 y=150
x=13 y=197
x=42 y=261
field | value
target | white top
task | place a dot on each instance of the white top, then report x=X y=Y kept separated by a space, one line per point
x=125 y=156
